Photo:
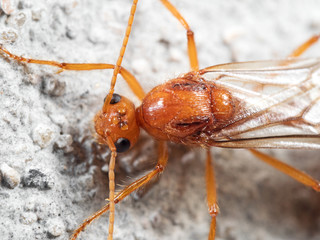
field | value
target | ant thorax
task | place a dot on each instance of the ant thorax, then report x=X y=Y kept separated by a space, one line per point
x=182 y=110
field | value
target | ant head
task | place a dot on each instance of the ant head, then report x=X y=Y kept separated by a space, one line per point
x=118 y=124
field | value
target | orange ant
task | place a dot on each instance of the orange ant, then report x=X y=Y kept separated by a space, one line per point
x=222 y=106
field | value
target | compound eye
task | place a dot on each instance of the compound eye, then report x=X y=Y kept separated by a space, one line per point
x=115 y=98
x=122 y=145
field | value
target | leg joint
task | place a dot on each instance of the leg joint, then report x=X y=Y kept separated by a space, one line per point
x=190 y=33
x=214 y=210
x=160 y=168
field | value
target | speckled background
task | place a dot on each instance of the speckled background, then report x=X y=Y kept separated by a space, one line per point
x=54 y=174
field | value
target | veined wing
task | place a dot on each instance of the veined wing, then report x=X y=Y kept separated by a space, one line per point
x=277 y=104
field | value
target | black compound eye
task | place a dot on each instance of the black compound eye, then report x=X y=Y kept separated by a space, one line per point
x=115 y=98
x=122 y=145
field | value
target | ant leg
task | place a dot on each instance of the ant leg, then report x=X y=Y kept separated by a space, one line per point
x=162 y=162
x=288 y=170
x=128 y=77
x=305 y=46
x=192 y=49
x=132 y=82
x=211 y=195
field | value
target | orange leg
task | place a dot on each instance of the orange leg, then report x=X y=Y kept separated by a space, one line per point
x=211 y=195
x=288 y=170
x=192 y=49
x=305 y=46
x=162 y=162
x=128 y=77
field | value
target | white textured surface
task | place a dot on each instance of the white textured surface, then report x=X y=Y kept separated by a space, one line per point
x=61 y=183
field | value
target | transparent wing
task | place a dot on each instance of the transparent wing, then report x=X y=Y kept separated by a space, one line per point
x=277 y=104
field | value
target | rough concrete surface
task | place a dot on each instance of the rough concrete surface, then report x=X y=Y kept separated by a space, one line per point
x=53 y=174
